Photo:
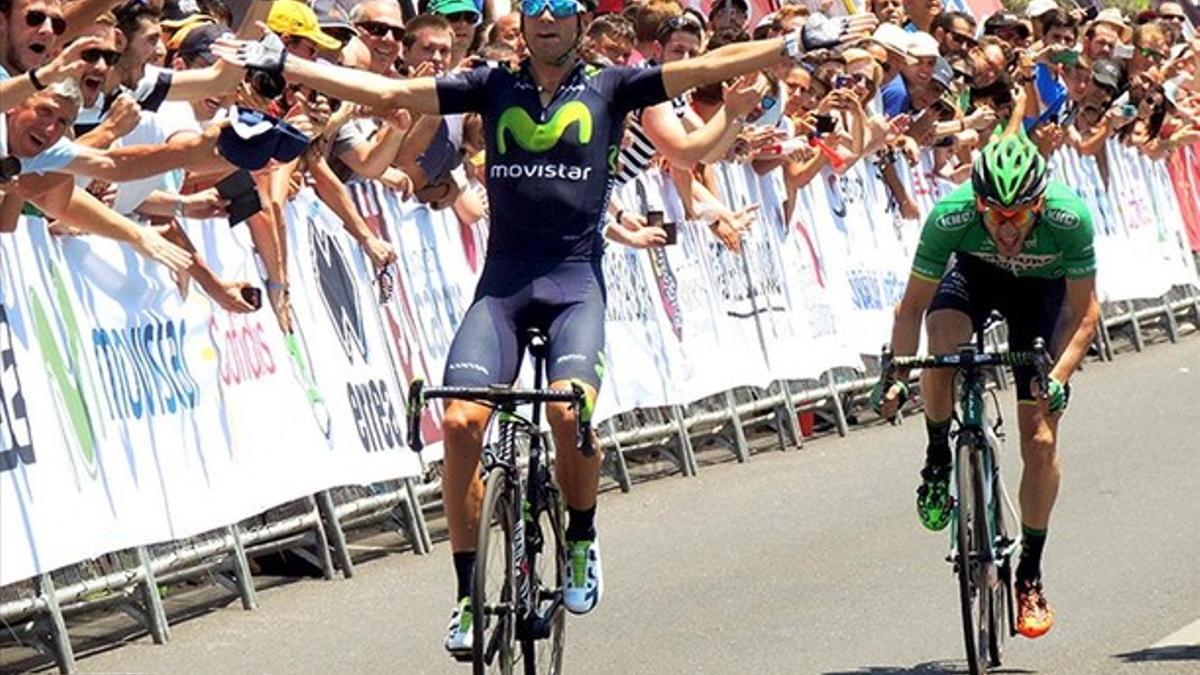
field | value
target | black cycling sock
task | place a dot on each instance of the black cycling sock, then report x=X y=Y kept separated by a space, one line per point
x=937 y=453
x=1032 y=543
x=581 y=524
x=464 y=569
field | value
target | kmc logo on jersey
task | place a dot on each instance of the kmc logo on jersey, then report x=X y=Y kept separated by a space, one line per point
x=16 y=438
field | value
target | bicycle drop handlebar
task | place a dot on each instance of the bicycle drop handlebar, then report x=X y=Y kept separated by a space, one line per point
x=419 y=395
x=970 y=357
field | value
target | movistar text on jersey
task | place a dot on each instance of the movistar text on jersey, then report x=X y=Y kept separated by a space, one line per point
x=547 y=171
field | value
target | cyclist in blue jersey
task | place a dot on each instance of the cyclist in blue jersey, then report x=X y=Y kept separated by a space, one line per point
x=553 y=128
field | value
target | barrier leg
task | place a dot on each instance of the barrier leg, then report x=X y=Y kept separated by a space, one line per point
x=1169 y=314
x=241 y=567
x=63 y=654
x=1106 y=350
x=687 y=456
x=423 y=542
x=740 y=447
x=620 y=468
x=333 y=530
x=156 y=616
x=839 y=414
x=789 y=411
x=1139 y=342
x=325 y=560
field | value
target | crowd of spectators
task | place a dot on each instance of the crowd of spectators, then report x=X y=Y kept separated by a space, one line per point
x=118 y=120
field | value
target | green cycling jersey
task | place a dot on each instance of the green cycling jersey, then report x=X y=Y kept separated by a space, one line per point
x=1059 y=245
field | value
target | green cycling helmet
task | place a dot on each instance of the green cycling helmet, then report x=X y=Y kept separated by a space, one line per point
x=1010 y=171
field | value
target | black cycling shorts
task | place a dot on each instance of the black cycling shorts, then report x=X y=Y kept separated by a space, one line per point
x=566 y=300
x=1030 y=304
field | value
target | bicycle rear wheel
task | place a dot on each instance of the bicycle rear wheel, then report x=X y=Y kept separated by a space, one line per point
x=493 y=593
x=544 y=656
x=972 y=596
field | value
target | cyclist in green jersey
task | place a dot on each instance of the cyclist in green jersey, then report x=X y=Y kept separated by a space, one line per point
x=1022 y=245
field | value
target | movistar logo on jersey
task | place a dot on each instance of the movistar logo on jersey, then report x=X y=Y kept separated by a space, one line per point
x=539 y=138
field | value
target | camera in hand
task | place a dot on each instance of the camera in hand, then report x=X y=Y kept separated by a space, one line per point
x=252 y=296
x=655 y=219
x=825 y=124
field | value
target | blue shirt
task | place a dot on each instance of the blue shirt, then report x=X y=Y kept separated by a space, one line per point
x=550 y=169
x=896 y=100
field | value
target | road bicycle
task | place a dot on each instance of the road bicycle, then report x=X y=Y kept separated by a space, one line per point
x=981 y=545
x=516 y=595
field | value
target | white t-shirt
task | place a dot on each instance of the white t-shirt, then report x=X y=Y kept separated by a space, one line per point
x=153 y=128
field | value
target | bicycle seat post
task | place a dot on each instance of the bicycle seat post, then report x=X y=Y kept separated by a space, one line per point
x=536 y=340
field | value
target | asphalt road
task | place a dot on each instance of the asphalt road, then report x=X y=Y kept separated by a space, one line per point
x=805 y=561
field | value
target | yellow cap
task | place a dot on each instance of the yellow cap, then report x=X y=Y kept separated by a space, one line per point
x=289 y=17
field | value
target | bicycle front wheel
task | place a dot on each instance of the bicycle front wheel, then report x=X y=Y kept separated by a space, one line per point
x=544 y=656
x=493 y=593
x=973 y=598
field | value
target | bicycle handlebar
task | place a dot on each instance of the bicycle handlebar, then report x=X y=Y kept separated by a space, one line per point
x=419 y=394
x=969 y=357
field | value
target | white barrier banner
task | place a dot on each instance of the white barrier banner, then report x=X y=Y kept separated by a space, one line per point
x=130 y=415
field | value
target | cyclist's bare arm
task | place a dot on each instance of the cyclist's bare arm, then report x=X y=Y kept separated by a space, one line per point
x=906 y=330
x=417 y=94
x=1083 y=313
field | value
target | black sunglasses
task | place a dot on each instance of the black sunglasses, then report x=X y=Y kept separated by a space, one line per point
x=93 y=55
x=463 y=17
x=380 y=29
x=36 y=18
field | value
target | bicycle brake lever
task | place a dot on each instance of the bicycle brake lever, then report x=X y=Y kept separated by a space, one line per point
x=583 y=421
x=416 y=407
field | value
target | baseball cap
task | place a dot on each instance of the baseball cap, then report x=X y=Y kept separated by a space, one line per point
x=197 y=43
x=446 y=7
x=923 y=45
x=334 y=21
x=176 y=12
x=290 y=17
x=1108 y=72
x=1040 y=7
x=943 y=73
x=254 y=138
x=894 y=39
x=1005 y=19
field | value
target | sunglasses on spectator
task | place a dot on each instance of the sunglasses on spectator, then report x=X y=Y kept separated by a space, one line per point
x=462 y=17
x=379 y=29
x=559 y=9
x=109 y=56
x=313 y=96
x=961 y=40
x=36 y=19
x=685 y=22
x=1151 y=54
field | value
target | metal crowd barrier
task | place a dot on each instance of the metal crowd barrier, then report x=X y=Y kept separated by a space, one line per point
x=34 y=613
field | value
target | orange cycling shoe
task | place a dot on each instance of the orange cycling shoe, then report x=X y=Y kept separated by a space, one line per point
x=1034 y=616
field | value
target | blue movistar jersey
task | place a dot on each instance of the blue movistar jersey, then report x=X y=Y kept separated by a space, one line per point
x=549 y=168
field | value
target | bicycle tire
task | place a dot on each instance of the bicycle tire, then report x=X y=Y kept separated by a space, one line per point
x=544 y=657
x=999 y=611
x=494 y=649
x=986 y=569
x=968 y=588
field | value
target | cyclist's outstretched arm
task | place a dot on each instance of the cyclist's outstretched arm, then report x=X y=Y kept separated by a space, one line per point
x=376 y=91
x=417 y=94
x=1084 y=312
x=740 y=58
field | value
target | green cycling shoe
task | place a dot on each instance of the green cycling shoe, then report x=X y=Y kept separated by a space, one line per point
x=933 y=498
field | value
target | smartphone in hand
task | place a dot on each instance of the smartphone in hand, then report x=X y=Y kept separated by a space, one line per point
x=252 y=296
x=239 y=190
